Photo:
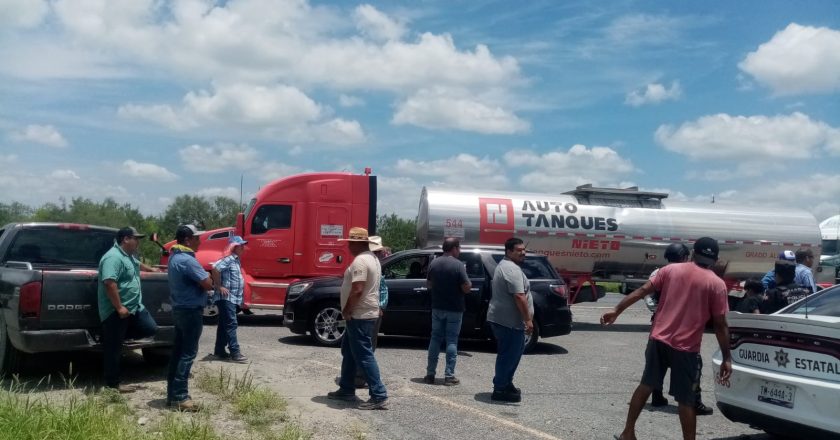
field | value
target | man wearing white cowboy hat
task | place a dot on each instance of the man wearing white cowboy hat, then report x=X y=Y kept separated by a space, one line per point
x=360 y=309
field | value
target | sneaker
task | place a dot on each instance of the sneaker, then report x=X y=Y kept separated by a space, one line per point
x=506 y=396
x=512 y=389
x=343 y=396
x=452 y=380
x=219 y=357
x=374 y=404
x=188 y=405
x=239 y=358
x=429 y=379
x=703 y=410
x=658 y=399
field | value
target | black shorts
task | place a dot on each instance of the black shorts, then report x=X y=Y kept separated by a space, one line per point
x=685 y=371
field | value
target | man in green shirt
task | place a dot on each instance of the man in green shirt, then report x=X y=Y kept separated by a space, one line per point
x=121 y=303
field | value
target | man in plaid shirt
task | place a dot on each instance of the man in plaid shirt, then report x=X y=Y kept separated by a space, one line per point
x=227 y=277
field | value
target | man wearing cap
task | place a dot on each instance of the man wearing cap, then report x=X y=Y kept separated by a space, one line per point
x=121 y=307
x=690 y=294
x=804 y=277
x=769 y=279
x=360 y=309
x=381 y=252
x=188 y=284
x=227 y=277
x=787 y=290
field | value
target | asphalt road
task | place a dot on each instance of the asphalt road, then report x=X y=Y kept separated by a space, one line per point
x=574 y=387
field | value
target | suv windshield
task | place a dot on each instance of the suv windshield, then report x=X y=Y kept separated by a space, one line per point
x=826 y=303
x=534 y=267
x=53 y=246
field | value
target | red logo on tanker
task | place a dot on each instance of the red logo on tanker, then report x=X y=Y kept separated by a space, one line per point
x=496 y=220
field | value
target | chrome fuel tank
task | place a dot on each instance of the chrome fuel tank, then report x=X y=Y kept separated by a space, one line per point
x=615 y=234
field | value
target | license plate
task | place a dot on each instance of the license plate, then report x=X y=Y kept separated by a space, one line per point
x=776 y=393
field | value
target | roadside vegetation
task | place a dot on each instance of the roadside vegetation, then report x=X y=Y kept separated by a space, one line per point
x=27 y=413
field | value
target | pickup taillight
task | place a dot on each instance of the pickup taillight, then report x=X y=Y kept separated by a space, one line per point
x=30 y=300
x=560 y=290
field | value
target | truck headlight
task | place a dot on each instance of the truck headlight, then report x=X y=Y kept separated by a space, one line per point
x=296 y=290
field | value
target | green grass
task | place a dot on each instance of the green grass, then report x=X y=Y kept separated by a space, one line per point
x=102 y=416
x=259 y=407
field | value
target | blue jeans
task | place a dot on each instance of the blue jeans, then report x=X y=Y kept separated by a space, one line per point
x=226 y=329
x=446 y=326
x=114 y=331
x=188 y=325
x=511 y=344
x=357 y=352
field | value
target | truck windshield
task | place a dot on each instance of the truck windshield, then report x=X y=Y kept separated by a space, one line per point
x=60 y=247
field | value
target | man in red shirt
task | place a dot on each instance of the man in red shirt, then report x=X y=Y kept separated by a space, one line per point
x=690 y=294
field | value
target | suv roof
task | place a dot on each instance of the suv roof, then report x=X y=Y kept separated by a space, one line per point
x=493 y=249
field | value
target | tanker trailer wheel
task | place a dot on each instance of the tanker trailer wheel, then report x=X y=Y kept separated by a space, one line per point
x=324 y=325
x=532 y=339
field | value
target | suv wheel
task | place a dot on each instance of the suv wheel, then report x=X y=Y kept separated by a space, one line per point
x=10 y=357
x=532 y=339
x=324 y=325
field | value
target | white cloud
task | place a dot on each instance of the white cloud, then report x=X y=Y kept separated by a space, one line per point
x=564 y=170
x=40 y=134
x=798 y=59
x=147 y=171
x=796 y=193
x=22 y=13
x=228 y=191
x=274 y=170
x=654 y=94
x=219 y=158
x=279 y=111
x=297 y=150
x=463 y=170
x=263 y=43
x=439 y=108
x=721 y=136
x=350 y=101
x=374 y=24
x=63 y=175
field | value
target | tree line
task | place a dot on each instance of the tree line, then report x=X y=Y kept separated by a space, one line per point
x=205 y=212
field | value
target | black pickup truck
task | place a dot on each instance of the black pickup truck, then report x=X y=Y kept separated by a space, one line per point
x=313 y=305
x=48 y=292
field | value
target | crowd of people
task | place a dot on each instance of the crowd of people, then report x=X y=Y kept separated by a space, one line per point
x=686 y=291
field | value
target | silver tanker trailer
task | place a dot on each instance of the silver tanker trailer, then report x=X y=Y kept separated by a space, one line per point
x=606 y=234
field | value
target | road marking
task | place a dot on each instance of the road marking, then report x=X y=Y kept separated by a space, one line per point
x=466 y=408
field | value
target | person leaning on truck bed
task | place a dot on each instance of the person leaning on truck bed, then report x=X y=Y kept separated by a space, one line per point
x=121 y=303
x=188 y=287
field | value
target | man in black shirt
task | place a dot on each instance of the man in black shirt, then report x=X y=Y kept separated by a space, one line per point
x=448 y=282
x=786 y=291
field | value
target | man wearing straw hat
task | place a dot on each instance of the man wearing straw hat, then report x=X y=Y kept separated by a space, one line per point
x=381 y=252
x=360 y=309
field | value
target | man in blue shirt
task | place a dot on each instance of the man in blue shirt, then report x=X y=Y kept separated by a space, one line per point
x=227 y=277
x=188 y=286
x=804 y=277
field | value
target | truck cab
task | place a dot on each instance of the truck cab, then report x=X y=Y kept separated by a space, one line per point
x=292 y=226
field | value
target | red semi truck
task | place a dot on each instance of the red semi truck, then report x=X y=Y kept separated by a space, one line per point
x=292 y=226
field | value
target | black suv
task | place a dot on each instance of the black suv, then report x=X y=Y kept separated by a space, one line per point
x=313 y=305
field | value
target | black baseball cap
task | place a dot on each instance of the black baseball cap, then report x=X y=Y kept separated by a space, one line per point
x=706 y=251
x=186 y=231
x=128 y=231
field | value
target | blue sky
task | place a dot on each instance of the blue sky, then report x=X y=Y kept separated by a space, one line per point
x=144 y=100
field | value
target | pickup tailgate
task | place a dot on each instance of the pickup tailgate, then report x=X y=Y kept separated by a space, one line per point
x=69 y=299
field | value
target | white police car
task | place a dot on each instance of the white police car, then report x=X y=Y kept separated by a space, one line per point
x=786 y=369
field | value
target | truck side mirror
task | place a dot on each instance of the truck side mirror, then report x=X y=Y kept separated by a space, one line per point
x=240 y=224
x=154 y=238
